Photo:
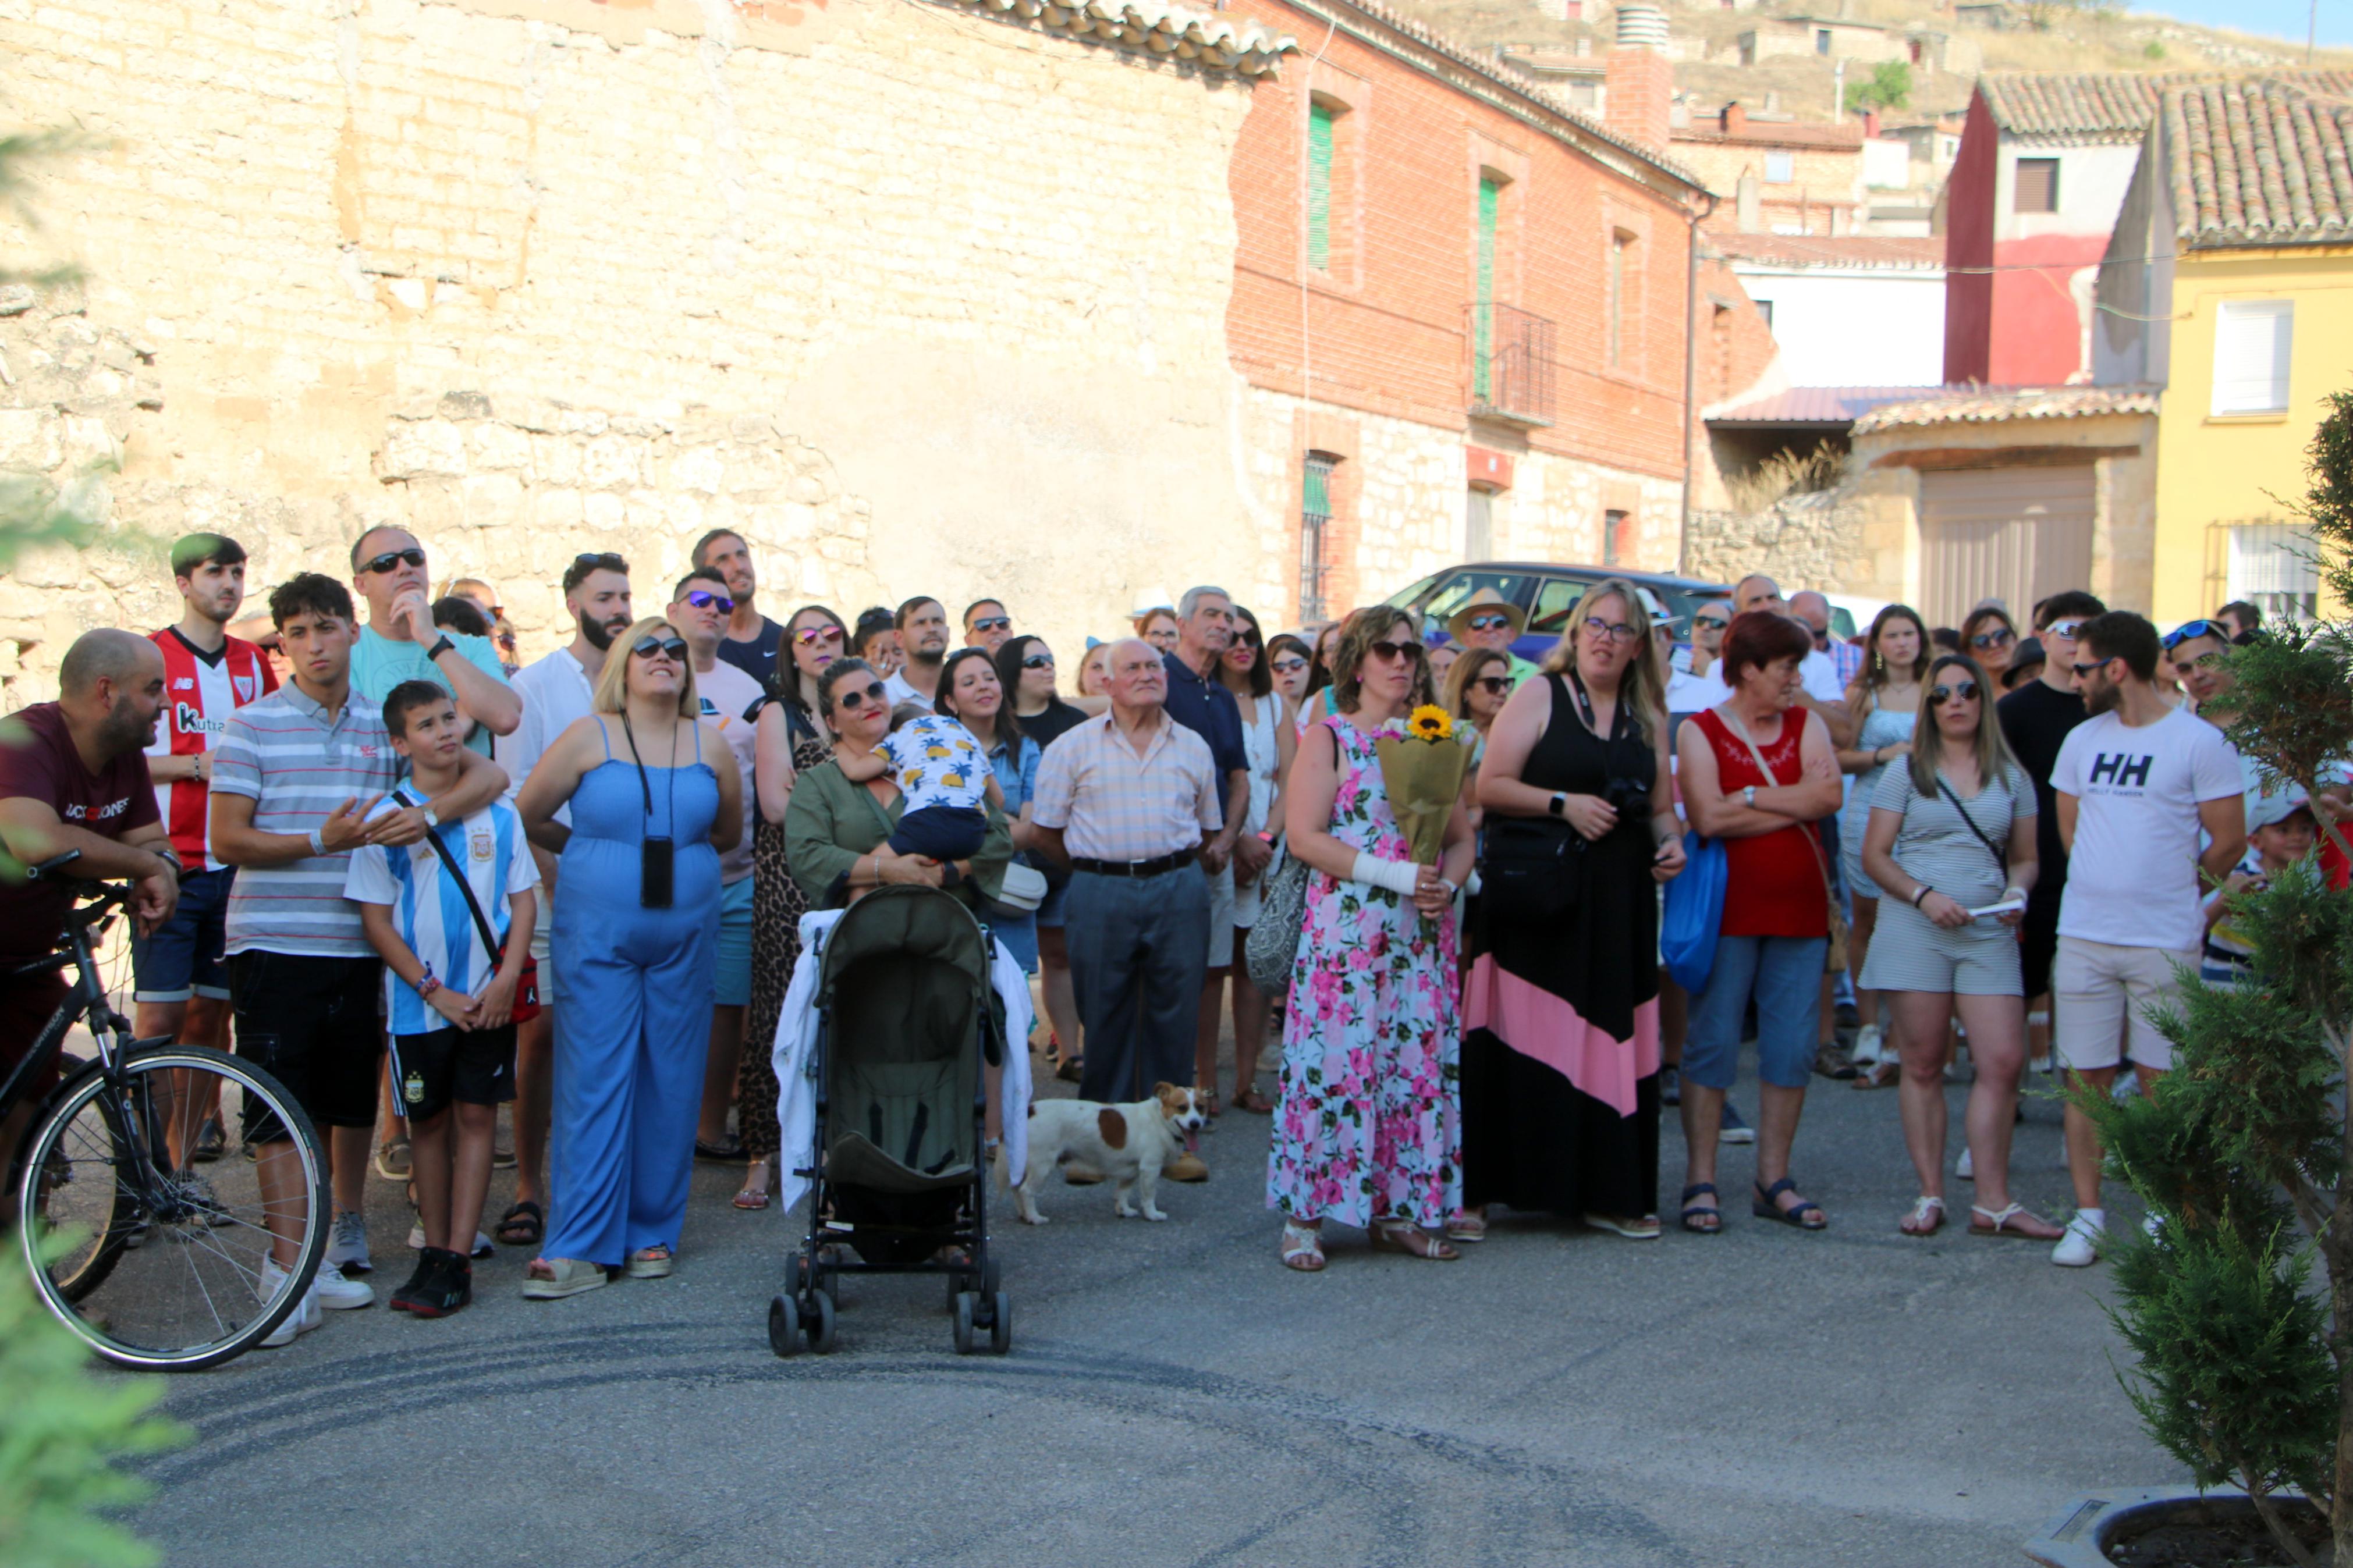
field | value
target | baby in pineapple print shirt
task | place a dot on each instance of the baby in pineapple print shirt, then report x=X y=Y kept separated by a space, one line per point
x=939 y=768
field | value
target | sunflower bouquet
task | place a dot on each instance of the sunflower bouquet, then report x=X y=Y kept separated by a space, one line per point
x=1422 y=770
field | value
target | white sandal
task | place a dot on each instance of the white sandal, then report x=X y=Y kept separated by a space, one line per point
x=1927 y=1218
x=1303 y=1248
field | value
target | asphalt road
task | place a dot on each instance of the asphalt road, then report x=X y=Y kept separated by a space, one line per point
x=1559 y=1396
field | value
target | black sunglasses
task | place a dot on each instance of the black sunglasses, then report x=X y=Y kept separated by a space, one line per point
x=392 y=558
x=601 y=561
x=2084 y=669
x=1940 y=694
x=1411 y=652
x=1493 y=685
x=704 y=599
x=853 y=699
x=993 y=623
x=2191 y=631
x=1290 y=664
x=1038 y=661
x=649 y=645
x=1993 y=638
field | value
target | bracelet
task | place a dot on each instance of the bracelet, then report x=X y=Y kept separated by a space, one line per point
x=426 y=986
x=1922 y=891
x=440 y=648
x=317 y=842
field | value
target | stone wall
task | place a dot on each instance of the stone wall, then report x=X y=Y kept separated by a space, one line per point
x=920 y=299
x=1831 y=540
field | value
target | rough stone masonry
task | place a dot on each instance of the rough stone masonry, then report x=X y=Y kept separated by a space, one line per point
x=916 y=296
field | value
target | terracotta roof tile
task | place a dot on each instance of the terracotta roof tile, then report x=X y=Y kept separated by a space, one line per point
x=1991 y=405
x=1846 y=250
x=2105 y=106
x=2259 y=161
x=1815 y=405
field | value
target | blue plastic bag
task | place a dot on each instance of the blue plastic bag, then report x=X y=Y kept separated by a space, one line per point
x=1694 y=913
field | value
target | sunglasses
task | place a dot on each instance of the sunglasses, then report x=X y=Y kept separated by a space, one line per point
x=412 y=556
x=1493 y=685
x=993 y=623
x=1490 y=623
x=704 y=599
x=809 y=637
x=1718 y=622
x=2064 y=629
x=2084 y=669
x=1038 y=661
x=1618 y=630
x=650 y=645
x=1402 y=652
x=1996 y=637
x=855 y=699
x=2191 y=631
x=1291 y=665
x=600 y=561
x=1940 y=694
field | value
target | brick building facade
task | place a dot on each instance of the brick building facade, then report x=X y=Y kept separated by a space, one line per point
x=1463 y=311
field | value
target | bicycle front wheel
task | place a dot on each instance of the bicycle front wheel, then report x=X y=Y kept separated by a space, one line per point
x=163 y=1263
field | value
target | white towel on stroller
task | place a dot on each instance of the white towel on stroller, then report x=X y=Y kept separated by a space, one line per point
x=797 y=1037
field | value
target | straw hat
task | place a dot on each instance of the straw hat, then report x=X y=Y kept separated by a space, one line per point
x=1487 y=599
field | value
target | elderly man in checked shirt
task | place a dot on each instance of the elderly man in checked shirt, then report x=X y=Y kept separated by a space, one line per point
x=1125 y=799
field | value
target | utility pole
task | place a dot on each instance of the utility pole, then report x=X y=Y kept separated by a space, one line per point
x=1837 y=83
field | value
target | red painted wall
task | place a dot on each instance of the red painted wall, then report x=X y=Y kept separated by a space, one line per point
x=1969 y=244
x=2038 y=332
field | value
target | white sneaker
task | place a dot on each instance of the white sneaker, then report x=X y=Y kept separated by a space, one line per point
x=347 y=1250
x=2126 y=1087
x=482 y=1247
x=1966 y=1170
x=300 y=1321
x=2081 y=1246
x=338 y=1294
x=1866 y=1046
x=2151 y=1224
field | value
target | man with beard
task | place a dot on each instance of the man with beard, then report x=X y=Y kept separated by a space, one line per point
x=73 y=776
x=401 y=643
x=556 y=691
x=181 y=980
x=752 y=638
x=923 y=638
x=2136 y=783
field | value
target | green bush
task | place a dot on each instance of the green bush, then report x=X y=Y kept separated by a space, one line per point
x=1890 y=87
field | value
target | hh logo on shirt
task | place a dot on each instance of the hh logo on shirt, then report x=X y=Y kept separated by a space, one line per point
x=2120 y=771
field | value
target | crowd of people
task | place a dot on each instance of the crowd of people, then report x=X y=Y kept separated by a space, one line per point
x=418 y=880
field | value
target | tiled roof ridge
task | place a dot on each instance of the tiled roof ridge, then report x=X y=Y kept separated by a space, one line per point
x=1770 y=130
x=1891 y=251
x=1493 y=71
x=1986 y=404
x=2259 y=160
x=1201 y=38
x=2110 y=105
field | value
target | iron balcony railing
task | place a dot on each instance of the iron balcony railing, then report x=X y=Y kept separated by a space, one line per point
x=1510 y=363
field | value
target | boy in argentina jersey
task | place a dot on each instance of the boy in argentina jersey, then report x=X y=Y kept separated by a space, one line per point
x=449 y=995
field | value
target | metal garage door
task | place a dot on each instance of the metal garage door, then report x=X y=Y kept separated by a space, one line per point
x=2012 y=535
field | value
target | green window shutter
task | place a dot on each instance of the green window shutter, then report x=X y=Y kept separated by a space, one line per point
x=1483 y=317
x=1317 y=499
x=1319 y=187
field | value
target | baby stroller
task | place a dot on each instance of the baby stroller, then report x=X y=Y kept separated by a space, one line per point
x=904 y=1014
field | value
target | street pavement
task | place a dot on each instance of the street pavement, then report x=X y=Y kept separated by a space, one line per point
x=1174 y=1396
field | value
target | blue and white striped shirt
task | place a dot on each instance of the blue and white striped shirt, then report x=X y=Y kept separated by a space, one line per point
x=428 y=909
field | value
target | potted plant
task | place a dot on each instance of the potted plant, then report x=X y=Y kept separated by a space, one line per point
x=2239 y=1308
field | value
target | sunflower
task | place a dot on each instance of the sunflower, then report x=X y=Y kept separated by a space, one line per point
x=1429 y=722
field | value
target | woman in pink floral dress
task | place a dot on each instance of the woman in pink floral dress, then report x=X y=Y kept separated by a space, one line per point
x=1368 y=1127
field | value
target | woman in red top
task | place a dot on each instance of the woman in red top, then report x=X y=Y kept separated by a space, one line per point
x=1776 y=928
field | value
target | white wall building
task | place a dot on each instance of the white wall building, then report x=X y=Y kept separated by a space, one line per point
x=1862 y=310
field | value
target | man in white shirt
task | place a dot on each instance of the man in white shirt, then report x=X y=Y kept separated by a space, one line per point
x=731 y=702
x=555 y=693
x=924 y=640
x=2137 y=783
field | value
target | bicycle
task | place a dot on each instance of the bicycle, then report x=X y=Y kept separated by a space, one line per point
x=162 y=1266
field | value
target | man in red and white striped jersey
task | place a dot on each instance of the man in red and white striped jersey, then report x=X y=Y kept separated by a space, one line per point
x=181 y=983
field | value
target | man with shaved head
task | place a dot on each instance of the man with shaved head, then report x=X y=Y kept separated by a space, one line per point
x=73 y=777
x=1127 y=799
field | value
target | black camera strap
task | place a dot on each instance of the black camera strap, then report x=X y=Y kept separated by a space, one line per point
x=670 y=803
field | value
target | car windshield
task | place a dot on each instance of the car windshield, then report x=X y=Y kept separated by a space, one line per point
x=1455 y=589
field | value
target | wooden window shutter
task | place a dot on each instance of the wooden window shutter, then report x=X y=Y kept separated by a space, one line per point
x=2038 y=185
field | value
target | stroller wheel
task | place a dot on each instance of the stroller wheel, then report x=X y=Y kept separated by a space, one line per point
x=784 y=1327
x=963 y=1306
x=820 y=1323
x=1000 y=1321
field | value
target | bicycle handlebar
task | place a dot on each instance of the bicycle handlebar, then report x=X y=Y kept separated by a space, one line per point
x=53 y=864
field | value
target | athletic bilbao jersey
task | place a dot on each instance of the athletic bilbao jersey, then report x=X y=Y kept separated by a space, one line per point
x=200 y=691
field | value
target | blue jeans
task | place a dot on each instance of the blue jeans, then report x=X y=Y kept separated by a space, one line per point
x=1843 y=982
x=1785 y=975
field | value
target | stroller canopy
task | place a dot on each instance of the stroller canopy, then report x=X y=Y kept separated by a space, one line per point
x=906 y=922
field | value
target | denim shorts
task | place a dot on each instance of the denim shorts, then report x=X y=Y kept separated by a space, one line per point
x=730 y=981
x=1784 y=975
x=185 y=957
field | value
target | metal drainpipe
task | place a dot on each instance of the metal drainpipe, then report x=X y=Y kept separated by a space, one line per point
x=1691 y=371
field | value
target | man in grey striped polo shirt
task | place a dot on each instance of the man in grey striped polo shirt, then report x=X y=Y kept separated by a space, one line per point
x=294 y=777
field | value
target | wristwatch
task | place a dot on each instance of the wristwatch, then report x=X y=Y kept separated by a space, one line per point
x=1558 y=805
x=1749 y=795
x=439 y=649
x=432 y=817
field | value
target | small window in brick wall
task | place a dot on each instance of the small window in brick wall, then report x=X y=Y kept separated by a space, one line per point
x=1616 y=536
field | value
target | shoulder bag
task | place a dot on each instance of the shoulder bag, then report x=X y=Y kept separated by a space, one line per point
x=1273 y=944
x=1527 y=864
x=526 y=996
x=2000 y=864
x=1834 y=958
x=1694 y=913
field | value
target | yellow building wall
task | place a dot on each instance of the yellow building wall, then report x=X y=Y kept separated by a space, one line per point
x=2246 y=467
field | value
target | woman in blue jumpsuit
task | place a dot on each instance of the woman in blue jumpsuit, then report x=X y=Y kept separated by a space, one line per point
x=634 y=947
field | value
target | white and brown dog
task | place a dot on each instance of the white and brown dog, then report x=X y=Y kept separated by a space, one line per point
x=1128 y=1143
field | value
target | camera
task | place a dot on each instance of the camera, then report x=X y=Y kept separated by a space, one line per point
x=1630 y=797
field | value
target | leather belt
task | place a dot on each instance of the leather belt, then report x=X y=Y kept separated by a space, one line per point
x=1181 y=859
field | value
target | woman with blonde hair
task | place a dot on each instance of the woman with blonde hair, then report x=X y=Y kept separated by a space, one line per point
x=636 y=939
x=1367 y=1126
x=1884 y=701
x=1560 y=1062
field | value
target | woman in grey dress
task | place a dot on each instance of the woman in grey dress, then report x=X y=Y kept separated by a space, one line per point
x=1951 y=845
x=1885 y=696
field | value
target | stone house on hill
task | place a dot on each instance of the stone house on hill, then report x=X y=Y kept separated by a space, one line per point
x=1776 y=175
x=1466 y=313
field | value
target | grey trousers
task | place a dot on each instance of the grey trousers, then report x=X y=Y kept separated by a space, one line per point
x=1139 y=953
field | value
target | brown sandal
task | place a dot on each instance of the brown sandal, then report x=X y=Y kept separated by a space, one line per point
x=1399 y=1235
x=1251 y=1100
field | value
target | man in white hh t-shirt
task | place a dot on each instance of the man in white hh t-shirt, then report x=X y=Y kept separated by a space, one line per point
x=2136 y=784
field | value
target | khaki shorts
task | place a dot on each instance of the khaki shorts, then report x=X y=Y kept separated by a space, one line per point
x=2100 y=992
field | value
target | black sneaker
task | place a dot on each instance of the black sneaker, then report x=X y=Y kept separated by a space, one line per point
x=443 y=1283
x=210 y=1142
